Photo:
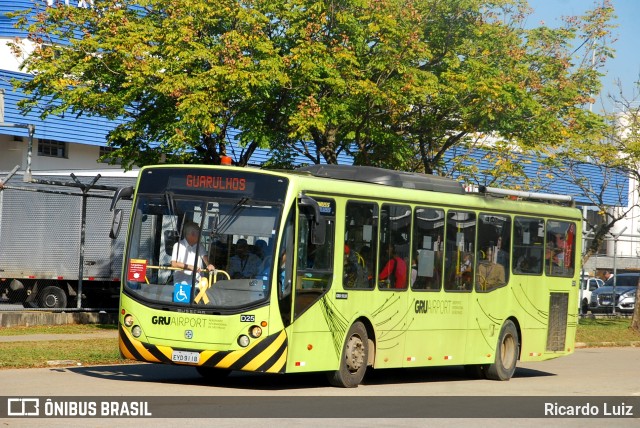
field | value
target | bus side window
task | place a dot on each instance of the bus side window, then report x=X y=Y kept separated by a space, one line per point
x=428 y=245
x=528 y=246
x=494 y=242
x=459 y=251
x=393 y=259
x=560 y=248
x=360 y=250
x=314 y=271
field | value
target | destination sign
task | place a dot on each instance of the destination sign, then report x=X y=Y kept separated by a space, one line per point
x=237 y=182
x=216 y=182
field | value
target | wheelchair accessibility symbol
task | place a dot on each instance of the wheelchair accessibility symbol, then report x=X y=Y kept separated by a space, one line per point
x=181 y=293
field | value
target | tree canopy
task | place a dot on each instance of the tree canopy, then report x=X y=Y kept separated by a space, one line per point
x=392 y=83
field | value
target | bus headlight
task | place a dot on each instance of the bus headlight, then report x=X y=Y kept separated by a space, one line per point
x=243 y=340
x=136 y=331
x=255 y=331
x=128 y=320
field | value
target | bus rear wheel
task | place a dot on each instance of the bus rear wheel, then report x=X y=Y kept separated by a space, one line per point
x=506 y=353
x=354 y=358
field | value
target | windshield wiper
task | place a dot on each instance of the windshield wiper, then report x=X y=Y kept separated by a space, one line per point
x=235 y=211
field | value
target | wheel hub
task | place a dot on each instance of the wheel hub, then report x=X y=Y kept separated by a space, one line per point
x=355 y=354
x=51 y=300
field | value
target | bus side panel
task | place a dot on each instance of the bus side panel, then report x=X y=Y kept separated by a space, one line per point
x=313 y=344
x=437 y=332
x=391 y=318
x=318 y=336
x=488 y=313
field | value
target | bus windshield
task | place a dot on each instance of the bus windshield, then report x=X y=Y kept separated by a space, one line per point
x=206 y=250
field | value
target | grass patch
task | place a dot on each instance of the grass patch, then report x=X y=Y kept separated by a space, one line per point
x=612 y=331
x=56 y=329
x=78 y=352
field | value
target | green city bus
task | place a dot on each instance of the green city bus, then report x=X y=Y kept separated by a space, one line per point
x=338 y=268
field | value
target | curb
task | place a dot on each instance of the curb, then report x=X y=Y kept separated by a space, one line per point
x=582 y=345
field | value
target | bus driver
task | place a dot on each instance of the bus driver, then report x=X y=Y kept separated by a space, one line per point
x=184 y=255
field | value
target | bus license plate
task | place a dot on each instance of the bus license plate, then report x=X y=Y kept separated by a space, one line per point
x=185 y=357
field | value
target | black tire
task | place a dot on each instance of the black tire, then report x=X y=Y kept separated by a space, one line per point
x=17 y=296
x=506 y=353
x=52 y=297
x=475 y=371
x=211 y=374
x=585 y=306
x=354 y=358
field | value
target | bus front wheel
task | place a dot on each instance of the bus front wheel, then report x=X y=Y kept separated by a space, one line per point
x=354 y=358
x=506 y=353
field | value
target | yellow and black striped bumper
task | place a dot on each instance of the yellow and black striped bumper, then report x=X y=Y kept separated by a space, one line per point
x=267 y=355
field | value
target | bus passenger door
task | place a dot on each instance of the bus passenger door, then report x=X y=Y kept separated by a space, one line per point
x=311 y=338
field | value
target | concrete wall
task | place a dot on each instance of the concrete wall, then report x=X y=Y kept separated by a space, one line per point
x=26 y=319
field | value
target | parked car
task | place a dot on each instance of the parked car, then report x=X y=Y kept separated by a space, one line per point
x=587 y=286
x=602 y=299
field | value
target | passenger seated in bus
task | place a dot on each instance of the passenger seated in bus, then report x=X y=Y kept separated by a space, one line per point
x=284 y=283
x=414 y=268
x=552 y=258
x=366 y=255
x=244 y=264
x=490 y=274
x=354 y=274
x=260 y=248
x=394 y=272
x=561 y=243
x=464 y=275
x=264 y=253
x=184 y=255
x=502 y=256
x=527 y=264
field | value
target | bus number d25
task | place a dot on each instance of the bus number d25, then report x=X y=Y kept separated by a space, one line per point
x=247 y=318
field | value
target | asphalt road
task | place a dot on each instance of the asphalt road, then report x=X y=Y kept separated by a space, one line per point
x=590 y=375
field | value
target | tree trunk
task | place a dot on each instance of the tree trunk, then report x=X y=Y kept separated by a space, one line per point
x=635 y=321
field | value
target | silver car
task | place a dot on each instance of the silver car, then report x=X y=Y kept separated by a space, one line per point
x=602 y=299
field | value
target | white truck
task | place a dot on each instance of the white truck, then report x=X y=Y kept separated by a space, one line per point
x=588 y=285
x=55 y=250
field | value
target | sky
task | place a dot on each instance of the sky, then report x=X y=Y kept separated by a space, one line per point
x=626 y=64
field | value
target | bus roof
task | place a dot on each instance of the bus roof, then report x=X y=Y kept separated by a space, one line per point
x=369 y=174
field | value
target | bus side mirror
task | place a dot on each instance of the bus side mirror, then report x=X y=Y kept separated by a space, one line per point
x=318 y=232
x=121 y=193
x=116 y=224
x=318 y=224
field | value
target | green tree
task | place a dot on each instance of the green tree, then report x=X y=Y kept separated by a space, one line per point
x=393 y=83
x=180 y=75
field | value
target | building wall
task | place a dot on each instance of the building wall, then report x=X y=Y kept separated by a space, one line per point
x=80 y=156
